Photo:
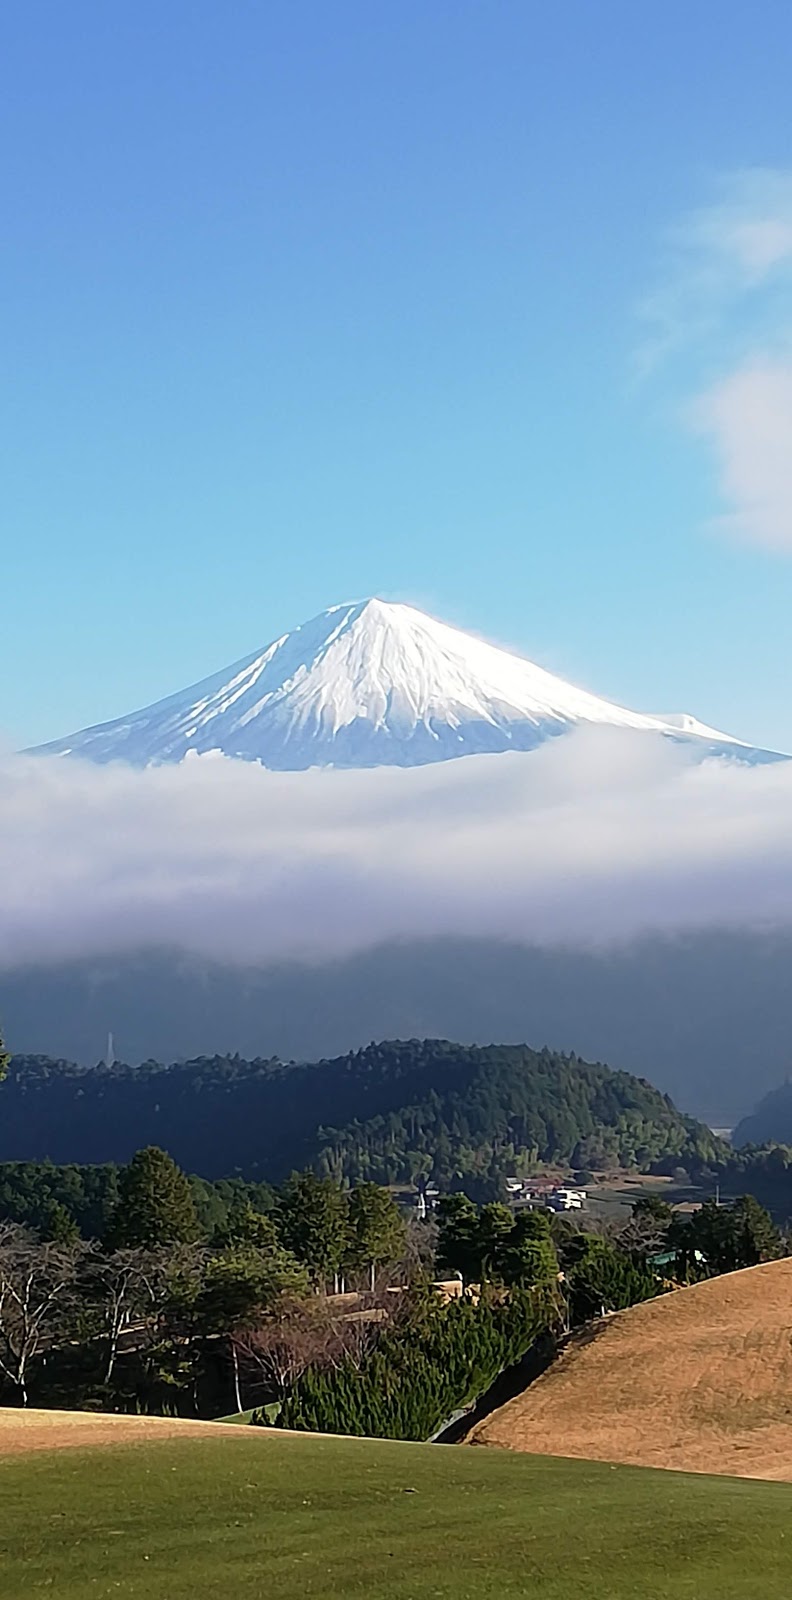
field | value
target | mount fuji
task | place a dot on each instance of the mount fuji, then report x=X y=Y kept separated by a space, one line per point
x=374 y=684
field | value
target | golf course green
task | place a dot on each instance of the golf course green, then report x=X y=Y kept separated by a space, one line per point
x=265 y=1515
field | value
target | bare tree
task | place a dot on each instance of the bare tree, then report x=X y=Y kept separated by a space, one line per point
x=126 y=1288
x=356 y=1335
x=647 y=1231
x=420 y=1250
x=38 y=1283
x=298 y=1334
x=275 y=1354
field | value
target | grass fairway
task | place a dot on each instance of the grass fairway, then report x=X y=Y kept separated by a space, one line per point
x=243 y=1518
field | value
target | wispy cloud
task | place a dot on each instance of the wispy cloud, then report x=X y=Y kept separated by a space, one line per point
x=595 y=837
x=736 y=250
x=723 y=306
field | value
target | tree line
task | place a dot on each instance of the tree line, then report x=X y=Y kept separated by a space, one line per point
x=131 y=1318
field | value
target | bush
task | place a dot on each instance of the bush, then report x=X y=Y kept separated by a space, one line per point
x=603 y=1278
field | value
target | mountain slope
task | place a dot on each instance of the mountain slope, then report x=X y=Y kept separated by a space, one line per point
x=371 y=684
x=770 y=1122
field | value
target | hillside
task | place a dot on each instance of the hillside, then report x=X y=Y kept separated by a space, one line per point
x=699 y=1380
x=770 y=1122
x=392 y=1112
x=202 y=1513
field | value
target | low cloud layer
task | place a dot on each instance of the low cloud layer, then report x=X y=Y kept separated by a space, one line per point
x=595 y=837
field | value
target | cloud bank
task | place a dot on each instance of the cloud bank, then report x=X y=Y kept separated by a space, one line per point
x=596 y=837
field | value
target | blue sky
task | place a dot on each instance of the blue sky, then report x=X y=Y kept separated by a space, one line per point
x=487 y=306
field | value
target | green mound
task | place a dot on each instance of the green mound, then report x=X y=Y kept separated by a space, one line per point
x=268 y=1515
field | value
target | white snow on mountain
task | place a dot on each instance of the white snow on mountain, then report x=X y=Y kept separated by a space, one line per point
x=372 y=684
x=685 y=722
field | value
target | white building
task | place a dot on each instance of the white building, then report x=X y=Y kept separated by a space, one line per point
x=567 y=1199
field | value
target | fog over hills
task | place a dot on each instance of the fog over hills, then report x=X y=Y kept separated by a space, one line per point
x=705 y=1017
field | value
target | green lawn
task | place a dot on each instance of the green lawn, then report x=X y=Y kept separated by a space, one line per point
x=262 y=1517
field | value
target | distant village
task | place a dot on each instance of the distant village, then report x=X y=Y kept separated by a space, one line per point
x=520 y=1192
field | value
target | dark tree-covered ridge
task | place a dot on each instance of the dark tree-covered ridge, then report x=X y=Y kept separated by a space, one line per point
x=393 y=1112
x=770 y=1121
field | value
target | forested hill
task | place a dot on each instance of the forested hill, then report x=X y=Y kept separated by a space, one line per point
x=392 y=1112
x=770 y=1122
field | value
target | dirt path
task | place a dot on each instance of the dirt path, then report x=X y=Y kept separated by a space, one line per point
x=55 y=1430
x=699 y=1380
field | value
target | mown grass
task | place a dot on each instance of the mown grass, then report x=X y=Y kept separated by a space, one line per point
x=270 y=1516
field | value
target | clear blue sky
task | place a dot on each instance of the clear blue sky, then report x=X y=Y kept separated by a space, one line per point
x=305 y=301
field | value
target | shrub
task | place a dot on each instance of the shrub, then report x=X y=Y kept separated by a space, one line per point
x=423 y=1370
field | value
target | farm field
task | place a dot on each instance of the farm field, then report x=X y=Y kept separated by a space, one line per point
x=197 y=1513
x=699 y=1380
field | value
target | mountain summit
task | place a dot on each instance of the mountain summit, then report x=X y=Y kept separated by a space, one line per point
x=366 y=685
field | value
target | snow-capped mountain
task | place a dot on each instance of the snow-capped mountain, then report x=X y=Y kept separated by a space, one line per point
x=372 y=684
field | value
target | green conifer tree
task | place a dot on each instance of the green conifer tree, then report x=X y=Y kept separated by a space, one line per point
x=155 y=1203
x=376 y=1233
x=313 y=1222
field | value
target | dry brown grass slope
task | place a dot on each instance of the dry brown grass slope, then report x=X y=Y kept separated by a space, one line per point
x=699 y=1380
x=21 y=1431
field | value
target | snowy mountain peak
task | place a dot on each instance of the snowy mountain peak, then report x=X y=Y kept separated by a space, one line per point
x=371 y=683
